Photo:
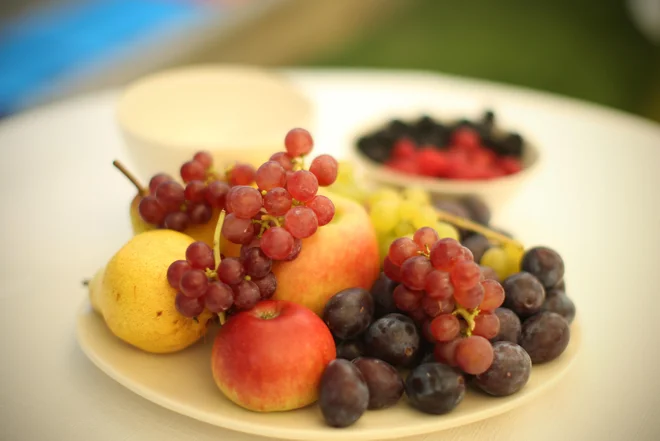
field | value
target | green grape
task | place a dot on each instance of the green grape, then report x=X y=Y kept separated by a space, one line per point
x=496 y=258
x=383 y=194
x=514 y=255
x=425 y=217
x=417 y=195
x=446 y=231
x=384 y=242
x=403 y=229
x=349 y=191
x=385 y=215
x=408 y=210
x=345 y=173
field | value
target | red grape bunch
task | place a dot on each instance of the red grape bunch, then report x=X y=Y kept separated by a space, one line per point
x=174 y=206
x=442 y=288
x=284 y=208
x=236 y=283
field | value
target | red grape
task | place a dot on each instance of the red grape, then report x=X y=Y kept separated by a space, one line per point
x=200 y=255
x=435 y=307
x=195 y=191
x=241 y=174
x=487 y=325
x=444 y=254
x=402 y=249
x=219 y=297
x=470 y=298
x=193 y=283
x=406 y=299
x=193 y=170
x=203 y=158
x=466 y=254
x=324 y=167
x=446 y=352
x=277 y=243
x=298 y=142
x=488 y=273
x=418 y=315
x=302 y=185
x=246 y=295
x=414 y=272
x=175 y=271
x=493 y=295
x=254 y=243
x=236 y=230
x=170 y=195
x=270 y=175
x=301 y=222
x=256 y=263
x=150 y=210
x=425 y=237
x=177 y=221
x=200 y=214
x=474 y=355
x=188 y=306
x=277 y=201
x=392 y=271
x=438 y=285
x=245 y=202
x=297 y=247
x=157 y=180
x=216 y=193
x=283 y=159
x=323 y=208
x=267 y=286
x=465 y=275
x=231 y=271
x=426 y=331
x=445 y=327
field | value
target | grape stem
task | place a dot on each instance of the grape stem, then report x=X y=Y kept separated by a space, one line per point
x=467 y=224
x=142 y=191
x=468 y=316
x=222 y=317
x=298 y=163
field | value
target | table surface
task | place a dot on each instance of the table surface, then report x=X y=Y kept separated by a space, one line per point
x=594 y=199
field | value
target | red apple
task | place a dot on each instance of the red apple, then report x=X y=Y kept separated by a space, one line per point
x=342 y=254
x=271 y=358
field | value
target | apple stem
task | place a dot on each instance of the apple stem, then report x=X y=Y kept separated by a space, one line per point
x=467 y=224
x=131 y=177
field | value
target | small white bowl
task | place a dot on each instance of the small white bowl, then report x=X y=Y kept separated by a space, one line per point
x=236 y=113
x=493 y=191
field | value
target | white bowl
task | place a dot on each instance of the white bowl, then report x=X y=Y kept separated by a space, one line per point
x=236 y=113
x=493 y=191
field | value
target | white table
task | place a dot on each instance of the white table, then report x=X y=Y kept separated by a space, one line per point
x=595 y=199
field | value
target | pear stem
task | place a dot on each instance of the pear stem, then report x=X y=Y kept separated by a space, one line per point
x=467 y=224
x=131 y=177
x=222 y=317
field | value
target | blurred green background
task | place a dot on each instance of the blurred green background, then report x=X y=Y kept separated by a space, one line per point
x=585 y=49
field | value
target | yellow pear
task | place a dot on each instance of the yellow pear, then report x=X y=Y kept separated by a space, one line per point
x=95 y=290
x=136 y=300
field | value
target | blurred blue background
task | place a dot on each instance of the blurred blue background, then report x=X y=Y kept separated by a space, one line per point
x=603 y=51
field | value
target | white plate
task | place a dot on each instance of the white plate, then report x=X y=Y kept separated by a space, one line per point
x=183 y=382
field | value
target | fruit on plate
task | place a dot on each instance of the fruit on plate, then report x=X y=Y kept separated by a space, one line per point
x=136 y=300
x=435 y=388
x=192 y=205
x=271 y=357
x=95 y=287
x=509 y=372
x=344 y=394
x=397 y=213
x=341 y=255
x=465 y=150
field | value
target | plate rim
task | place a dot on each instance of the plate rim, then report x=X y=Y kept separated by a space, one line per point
x=330 y=433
